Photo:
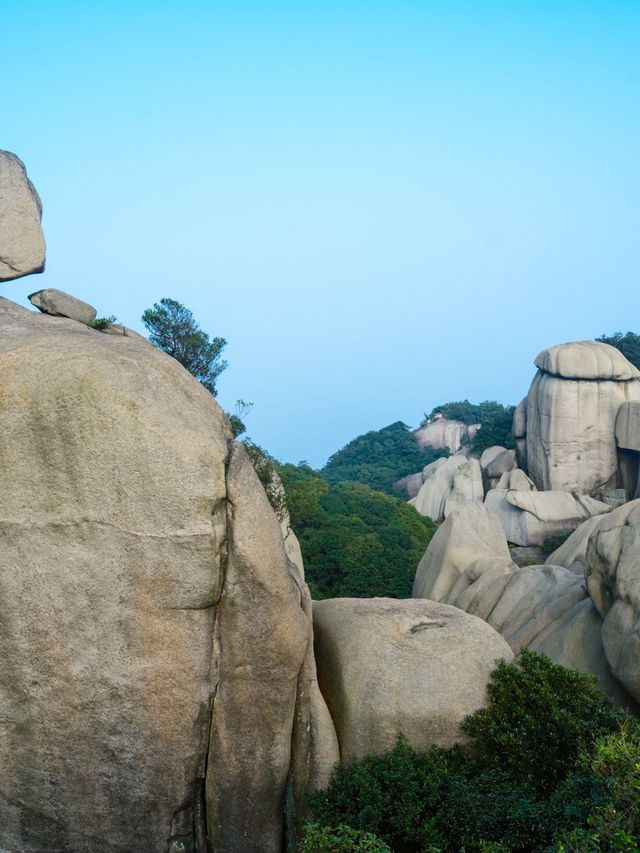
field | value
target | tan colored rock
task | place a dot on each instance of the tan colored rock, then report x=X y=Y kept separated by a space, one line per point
x=519 y=425
x=410 y=484
x=57 y=303
x=437 y=486
x=469 y=535
x=22 y=248
x=141 y=588
x=517 y=480
x=531 y=517
x=613 y=581
x=387 y=667
x=571 y=414
x=467 y=486
x=572 y=554
x=586 y=360
x=628 y=426
x=500 y=464
x=253 y=711
x=440 y=433
x=489 y=454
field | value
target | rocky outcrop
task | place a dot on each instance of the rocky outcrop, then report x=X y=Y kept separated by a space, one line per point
x=530 y=517
x=440 y=433
x=571 y=412
x=155 y=638
x=387 y=667
x=613 y=581
x=57 y=303
x=466 y=487
x=544 y=608
x=22 y=248
x=470 y=536
x=437 y=486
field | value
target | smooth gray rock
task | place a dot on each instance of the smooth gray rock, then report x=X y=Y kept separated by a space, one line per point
x=519 y=424
x=437 y=486
x=501 y=464
x=469 y=535
x=22 y=247
x=388 y=666
x=628 y=426
x=441 y=432
x=57 y=303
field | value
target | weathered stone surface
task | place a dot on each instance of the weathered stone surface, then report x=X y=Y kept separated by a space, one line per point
x=489 y=454
x=572 y=554
x=517 y=480
x=628 y=426
x=437 y=486
x=613 y=581
x=253 y=710
x=441 y=433
x=387 y=666
x=57 y=303
x=586 y=360
x=22 y=248
x=410 y=484
x=571 y=416
x=141 y=589
x=469 y=535
x=519 y=425
x=467 y=486
x=531 y=517
x=500 y=464
x=528 y=555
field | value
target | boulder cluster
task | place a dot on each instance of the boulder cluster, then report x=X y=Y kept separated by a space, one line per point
x=168 y=685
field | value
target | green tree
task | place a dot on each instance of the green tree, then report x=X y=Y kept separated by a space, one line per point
x=173 y=329
x=379 y=458
x=354 y=541
x=628 y=344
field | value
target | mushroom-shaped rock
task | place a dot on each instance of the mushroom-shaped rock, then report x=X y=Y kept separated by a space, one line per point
x=572 y=407
x=469 y=535
x=389 y=667
x=22 y=248
x=57 y=303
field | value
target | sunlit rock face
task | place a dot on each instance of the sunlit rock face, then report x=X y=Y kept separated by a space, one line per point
x=22 y=247
x=155 y=638
x=571 y=412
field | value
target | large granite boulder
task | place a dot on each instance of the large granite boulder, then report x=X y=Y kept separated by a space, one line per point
x=387 y=667
x=154 y=634
x=530 y=517
x=469 y=536
x=444 y=433
x=613 y=581
x=438 y=479
x=22 y=248
x=571 y=413
x=467 y=487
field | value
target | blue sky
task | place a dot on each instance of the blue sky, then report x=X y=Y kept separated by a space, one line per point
x=381 y=206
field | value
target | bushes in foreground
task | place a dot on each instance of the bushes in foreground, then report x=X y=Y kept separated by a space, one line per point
x=551 y=765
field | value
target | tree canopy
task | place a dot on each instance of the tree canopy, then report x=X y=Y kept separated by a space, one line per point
x=355 y=541
x=628 y=344
x=173 y=329
x=379 y=458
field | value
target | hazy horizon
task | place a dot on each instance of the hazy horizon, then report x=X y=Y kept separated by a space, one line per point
x=382 y=207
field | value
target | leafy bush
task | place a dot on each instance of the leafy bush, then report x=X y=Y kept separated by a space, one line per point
x=342 y=839
x=355 y=541
x=550 y=765
x=539 y=718
x=379 y=458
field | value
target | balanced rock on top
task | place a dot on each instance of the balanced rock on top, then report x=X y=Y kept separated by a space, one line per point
x=22 y=247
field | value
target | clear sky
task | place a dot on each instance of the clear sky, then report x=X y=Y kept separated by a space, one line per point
x=382 y=206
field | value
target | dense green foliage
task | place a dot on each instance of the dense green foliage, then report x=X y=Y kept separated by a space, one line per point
x=551 y=766
x=355 y=541
x=628 y=344
x=495 y=418
x=342 y=839
x=379 y=458
x=173 y=329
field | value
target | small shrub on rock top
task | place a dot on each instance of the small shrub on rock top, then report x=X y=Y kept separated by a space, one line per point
x=551 y=766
